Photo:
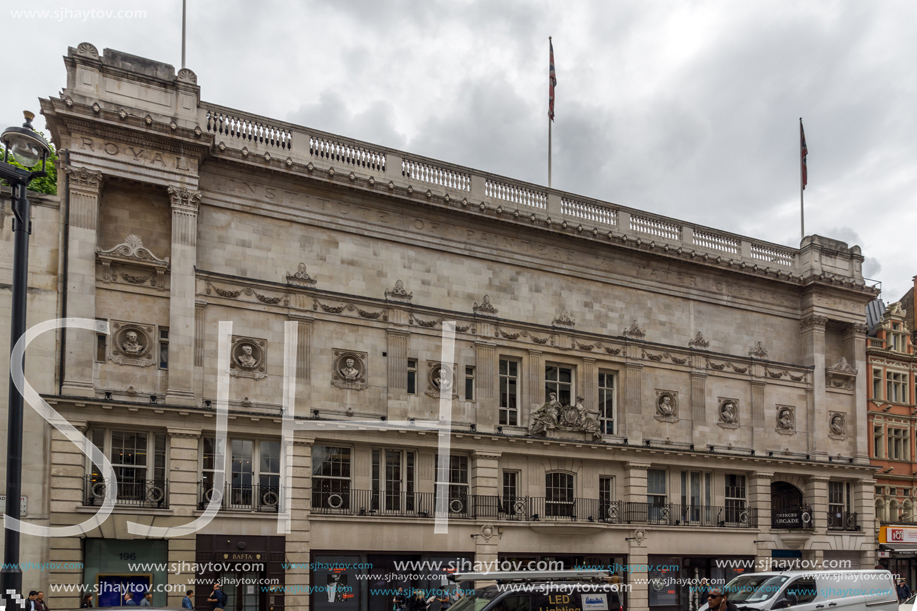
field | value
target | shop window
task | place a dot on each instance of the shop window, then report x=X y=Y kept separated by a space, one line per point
x=509 y=392
x=331 y=469
x=607 y=403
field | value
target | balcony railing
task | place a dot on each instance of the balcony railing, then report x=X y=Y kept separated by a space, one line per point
x=843 y=520
x=240 y=498
x=134 y=493
x=533 y=509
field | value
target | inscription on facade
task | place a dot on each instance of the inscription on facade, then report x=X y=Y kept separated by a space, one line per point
x=135 y=153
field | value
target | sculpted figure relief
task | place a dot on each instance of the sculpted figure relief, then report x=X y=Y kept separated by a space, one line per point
x=246 y=359
x=837 y=424
x=132 y=345
x=665 y=406
x=785 y=419
x=728 y=413
x=443 y=380
x=349 y=371
x=545 y=417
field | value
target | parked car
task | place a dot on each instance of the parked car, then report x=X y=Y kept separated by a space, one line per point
x=868 y=590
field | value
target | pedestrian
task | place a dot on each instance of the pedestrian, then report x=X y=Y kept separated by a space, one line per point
x=703 y=589
x=217 y=598
x=186 y=601
x=418 y=602
x=904 y=592
x=40 y=599
x=445 y=599
x=32 y=604
x=147 y=600
x=718 y=600
x=87 y=602
x=400 y=601
x=129 y=599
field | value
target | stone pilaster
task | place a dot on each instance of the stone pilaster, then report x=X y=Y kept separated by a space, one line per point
x=184 y=473
x=813 y=354
x=633 y=403
x=397 y=362
x=485 y=377
x=68 y=469
x=298 y=549
x=185 y=206
x=864 y=504
x=485 y=473
x=635 y=482
x=855 y=349
x=199 y=335
x=85 y=188
x=698 y=404
x=304 y=326
x=759 y=501
x=759 y=414
x=486 y=547
x=590 y=385
x=536 y=395
x=816 y=495
x=638 y=557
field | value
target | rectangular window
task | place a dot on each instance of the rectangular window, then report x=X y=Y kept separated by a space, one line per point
x=469 y=383
x=101 y=344
x=607 y=510
x=836 y=504
x=456 y=474
x=876 y=383
x=509 y=393
x=139 y=461
x=393 y=481
x=269 y=474
x=898 y=442
x=896 y=387
x=510 y=492
x=330 y=478
x=656 y=498
x=877 y=436
x=412 y=376
x=735 y=499
x=607 y=403
x=559 y=380
x=163 y=348
x=896 y=342
x=129 y=458
x=559 y=495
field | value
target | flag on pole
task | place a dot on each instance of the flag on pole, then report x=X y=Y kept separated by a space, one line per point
x=803 y=153
x=552 y=82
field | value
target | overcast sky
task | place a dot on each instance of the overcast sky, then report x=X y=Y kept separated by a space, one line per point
x=689 y=109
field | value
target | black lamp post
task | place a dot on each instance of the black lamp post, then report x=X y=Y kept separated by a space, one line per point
x=28 y=148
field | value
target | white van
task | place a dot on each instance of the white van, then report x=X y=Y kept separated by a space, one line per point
x=814 y=590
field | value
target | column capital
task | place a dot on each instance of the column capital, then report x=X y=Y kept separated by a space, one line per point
x=818 y=478
x=180 y=432
x=84 y=179
x=486 y=455
x=859 y=329
x=762 y=474
x=814 y=321
x=184 y=200
x=631 y=466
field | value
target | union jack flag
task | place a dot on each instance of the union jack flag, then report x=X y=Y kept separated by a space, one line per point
x=803 y=152
x=552 y=83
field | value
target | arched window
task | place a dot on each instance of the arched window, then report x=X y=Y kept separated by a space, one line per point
x=559 y=495
x=907 y=511
x=893 y=511
x=880 y=511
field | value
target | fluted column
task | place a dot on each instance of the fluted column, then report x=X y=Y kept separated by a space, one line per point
x=633 y=408
x=185 y=205
x=85 y=188
x=397 y=361
x=535 y=386
x=485 y=376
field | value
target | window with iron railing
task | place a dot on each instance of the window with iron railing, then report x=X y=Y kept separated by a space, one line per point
x=559 y=494
x=509 y=392
x=607 y=403
x=331 y=472
x=735 y=497
x=139 y=462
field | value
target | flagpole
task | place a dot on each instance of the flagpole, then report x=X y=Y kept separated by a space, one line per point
x=550 y=120
x=802 y=188
x=183 y=12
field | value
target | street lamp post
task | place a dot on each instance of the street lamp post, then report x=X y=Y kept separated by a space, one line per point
x=28 y=148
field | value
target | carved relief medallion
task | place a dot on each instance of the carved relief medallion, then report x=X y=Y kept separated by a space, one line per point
x=786 y=419
x=837 y=425
x=728 y=413
x=349 y=370
x=666 y=406
x=441 y=377
x=132 y=344
x=248 y=358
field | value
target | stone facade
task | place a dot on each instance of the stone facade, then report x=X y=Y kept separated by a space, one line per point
x=691 y=369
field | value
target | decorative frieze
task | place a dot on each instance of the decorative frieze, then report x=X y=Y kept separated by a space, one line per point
x=300 y=277
x=398 y=293
x=699 y=343
x=841 y=375
x=634 y=331
x=563 y=320
x=757 y=351
x=486 y=308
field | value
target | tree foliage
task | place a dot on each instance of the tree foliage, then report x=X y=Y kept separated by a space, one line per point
x=46 y=184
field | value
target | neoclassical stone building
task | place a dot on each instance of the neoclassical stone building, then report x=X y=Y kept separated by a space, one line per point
x=619 y=387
